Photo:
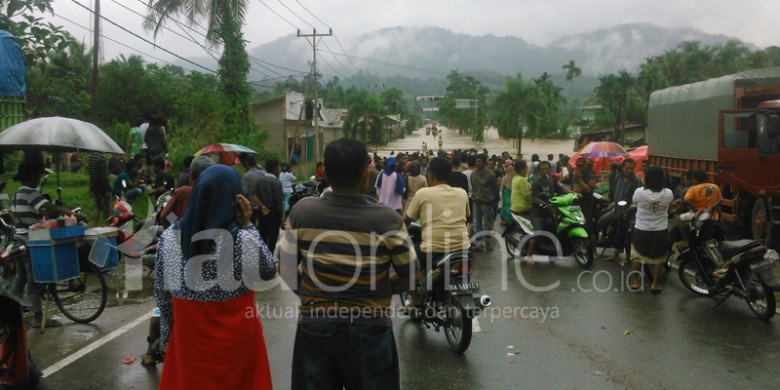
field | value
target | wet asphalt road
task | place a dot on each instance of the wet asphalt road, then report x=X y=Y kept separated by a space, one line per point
x=589 y=332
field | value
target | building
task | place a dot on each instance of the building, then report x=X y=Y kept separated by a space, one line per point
x=633 y=135
x=289 y=122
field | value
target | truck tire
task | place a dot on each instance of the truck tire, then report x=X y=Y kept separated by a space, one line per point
x=758 y=220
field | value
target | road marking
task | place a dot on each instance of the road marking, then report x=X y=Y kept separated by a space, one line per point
x=475 y=325
x=95 y=345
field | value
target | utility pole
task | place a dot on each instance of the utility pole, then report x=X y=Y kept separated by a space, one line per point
x=95 y=61
x=314 y=41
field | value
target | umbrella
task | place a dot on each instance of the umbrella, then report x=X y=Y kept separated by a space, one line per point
x=601 y=149
x=56 y=135
x=227 y=153
x=603 y=153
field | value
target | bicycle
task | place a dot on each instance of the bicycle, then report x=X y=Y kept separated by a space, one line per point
x=81 y=299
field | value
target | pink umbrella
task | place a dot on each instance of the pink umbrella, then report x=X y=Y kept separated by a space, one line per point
x=602 y=153
x=227 y=153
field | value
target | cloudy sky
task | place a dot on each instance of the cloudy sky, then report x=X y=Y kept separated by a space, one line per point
x=536 y=21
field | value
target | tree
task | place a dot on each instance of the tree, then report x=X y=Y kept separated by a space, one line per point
x=364 y=119
x=572 y=72
x=508 y=110
x=61 y=88
x=468 y=121
x=35 y=38
x=224 y=19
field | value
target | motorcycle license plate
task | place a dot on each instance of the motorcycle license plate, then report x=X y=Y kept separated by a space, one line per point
x=465 y=288
x=764 y=264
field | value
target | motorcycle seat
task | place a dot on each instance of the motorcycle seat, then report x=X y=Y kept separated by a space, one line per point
x=452 y=257
x=732 y=248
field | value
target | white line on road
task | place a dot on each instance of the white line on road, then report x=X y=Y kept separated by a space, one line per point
x=95 y=345
x=475 y=325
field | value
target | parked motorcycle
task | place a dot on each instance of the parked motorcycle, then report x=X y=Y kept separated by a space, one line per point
x=305 y=189
x=571 y=238
x=17 y=369
x=741 y=268
x=13 y=250
x=447 y=296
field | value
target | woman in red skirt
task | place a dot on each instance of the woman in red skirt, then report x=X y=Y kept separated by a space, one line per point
x=205 y=262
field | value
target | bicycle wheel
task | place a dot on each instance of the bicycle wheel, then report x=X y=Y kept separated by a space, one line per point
x=82 y=299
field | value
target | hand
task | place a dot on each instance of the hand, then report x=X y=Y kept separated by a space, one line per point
x=265 y=210
x=243 y=210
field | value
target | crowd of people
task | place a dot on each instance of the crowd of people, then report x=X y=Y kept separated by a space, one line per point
x=229 y=224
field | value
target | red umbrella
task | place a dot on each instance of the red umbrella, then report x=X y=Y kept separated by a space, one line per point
x=227 y=153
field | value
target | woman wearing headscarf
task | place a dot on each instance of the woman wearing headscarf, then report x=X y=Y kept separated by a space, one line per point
x=206 y=264
x=390 y=186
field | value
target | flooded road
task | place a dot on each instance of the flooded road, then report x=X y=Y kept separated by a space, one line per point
x=493 y=143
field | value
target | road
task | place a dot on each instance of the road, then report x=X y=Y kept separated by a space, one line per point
x=588 y=332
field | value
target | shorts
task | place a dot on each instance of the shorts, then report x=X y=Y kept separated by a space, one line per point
x=102 y=203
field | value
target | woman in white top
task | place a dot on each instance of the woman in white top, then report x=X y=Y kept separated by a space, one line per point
x=649 y=239
x=287 y=179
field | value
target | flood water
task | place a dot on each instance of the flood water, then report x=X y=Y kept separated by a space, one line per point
x=493 y=143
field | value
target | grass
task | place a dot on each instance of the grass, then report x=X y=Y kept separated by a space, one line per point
x=75 y=188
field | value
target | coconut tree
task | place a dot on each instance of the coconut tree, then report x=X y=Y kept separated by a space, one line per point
x=223 y=20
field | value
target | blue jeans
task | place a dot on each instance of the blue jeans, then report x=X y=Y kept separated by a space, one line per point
x=483 y=220
x=133 y=193
x=333 y=355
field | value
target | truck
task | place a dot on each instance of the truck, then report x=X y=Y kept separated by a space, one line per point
x=726 y=126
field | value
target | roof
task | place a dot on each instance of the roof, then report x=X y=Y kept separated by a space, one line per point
x=13 y=71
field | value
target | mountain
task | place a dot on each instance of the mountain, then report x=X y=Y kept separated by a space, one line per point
x=627 y=45
x=432 y=52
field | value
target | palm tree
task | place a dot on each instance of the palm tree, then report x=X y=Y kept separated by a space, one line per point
x=572 y=72
x=224 y=19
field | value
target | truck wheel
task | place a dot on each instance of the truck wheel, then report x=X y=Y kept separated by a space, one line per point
x=758 y=220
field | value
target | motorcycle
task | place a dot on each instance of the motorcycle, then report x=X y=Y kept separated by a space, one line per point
x=570 y=236
x=447 y=296
x=312 y=187
x=746 y=271
x=13 y=249
x=17 y=369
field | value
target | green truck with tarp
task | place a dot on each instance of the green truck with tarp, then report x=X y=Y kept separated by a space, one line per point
x=717 y=125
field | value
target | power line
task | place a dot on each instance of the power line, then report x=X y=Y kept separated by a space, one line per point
x=277 y=14
x=296 y=15
x=257 y=61
x=337 y=60
x=143 y=39
x=310 y=13
x=115 y=41
x=332 y=67
x=345 y=53
x=334 y=36
x=189 y=38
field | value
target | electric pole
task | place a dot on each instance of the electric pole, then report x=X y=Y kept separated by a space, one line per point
x=315 y=109
x=95 y=62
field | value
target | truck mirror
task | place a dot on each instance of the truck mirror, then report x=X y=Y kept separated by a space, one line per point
x=768 y=131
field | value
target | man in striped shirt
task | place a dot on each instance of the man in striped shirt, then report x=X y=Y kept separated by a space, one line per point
x=99 y=186
x=27 y=206
x=336 y=254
